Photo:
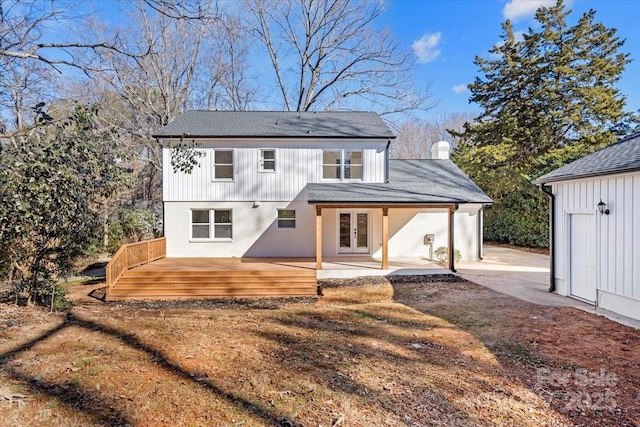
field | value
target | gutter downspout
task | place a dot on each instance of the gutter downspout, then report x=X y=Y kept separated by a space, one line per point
x=386 y=161
x=160 y=142
x=480 y=236
x=552 y=222
x=452 y=220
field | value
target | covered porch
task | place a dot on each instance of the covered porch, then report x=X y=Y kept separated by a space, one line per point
x=382 y=263
x=416 y=208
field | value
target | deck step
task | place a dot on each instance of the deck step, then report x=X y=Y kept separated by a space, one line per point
x=214 y=285
x=184 y=293
x=227 y=273
x=214 y=279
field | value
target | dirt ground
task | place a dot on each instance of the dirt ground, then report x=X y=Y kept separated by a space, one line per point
x=367 y=353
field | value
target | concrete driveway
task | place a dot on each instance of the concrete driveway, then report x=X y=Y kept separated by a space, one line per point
x=524 y=275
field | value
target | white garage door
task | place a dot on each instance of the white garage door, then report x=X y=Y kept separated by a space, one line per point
x=582 y=256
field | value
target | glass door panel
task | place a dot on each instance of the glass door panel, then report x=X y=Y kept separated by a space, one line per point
x=353 y=230
x=362 y=231
x=345 y=232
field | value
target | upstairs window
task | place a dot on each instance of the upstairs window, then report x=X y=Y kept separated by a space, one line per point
x=331 y=164
x=342 y=164
x=352 y=164
x=211 y=224
x=223 y=164
x=267 y=161
x=286 y=218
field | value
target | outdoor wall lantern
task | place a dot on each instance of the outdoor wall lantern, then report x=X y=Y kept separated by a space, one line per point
x=602 y=208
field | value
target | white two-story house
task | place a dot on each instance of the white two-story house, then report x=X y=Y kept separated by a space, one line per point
x=311 y=184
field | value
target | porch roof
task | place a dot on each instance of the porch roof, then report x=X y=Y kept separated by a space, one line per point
x=430 y=182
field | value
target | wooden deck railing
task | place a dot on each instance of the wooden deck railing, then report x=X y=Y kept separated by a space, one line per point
x=133 y=255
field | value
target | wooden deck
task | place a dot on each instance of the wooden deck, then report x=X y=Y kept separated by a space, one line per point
x=184 y=278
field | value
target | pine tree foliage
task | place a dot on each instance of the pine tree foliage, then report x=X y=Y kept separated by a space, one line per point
x=547 y=98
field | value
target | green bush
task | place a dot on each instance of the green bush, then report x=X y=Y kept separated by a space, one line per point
x=521 y=219
x=41 y=292
x=116 y=236
x=60 y=301
x=442 y=255
x=137 y=224
x=131 y=225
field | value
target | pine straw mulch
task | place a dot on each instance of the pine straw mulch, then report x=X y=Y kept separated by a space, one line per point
x=371 y=352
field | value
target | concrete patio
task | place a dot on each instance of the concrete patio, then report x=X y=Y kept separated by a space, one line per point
x=525 y=275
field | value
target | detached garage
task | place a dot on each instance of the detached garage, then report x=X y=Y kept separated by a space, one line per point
x=595 y=227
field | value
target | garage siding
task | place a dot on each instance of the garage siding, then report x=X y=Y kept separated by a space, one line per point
x=617 y=234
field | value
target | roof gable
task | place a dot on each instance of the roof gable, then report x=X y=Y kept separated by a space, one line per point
x=276 y=124
x=622 y=156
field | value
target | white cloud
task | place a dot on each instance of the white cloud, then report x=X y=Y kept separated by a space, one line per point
x=516 y=9
x=461 y=88
x=426 y=49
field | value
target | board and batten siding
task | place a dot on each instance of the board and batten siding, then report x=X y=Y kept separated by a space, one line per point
x=617 y=237
x=297 y=163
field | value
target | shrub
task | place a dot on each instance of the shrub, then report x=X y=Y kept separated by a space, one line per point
x=442 y=255
x=521 y=219
x=44 y=292
x=132 y=225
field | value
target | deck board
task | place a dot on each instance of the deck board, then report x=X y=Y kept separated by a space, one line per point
x=171 y=278
x=228 y=264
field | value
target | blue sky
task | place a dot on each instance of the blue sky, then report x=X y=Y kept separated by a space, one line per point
x=446 y=35
x=449 y=34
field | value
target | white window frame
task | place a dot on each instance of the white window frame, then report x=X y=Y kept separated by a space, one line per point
x=192 y=224
x=295 y=223
x=232 y=164
x=212 y=226
x=342 y=164
x=262 y=160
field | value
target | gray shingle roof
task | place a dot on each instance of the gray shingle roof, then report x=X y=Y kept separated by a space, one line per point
x=410 y=181
x=277 y=124
x=623 y=156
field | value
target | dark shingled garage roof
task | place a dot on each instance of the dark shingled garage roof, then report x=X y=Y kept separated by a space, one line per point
x=410 y=182
x=276 y=124
x=623 y=156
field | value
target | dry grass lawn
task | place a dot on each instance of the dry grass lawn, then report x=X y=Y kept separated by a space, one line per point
x=420 y=355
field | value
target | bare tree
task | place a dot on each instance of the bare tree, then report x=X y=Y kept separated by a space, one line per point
x=37 y=41
x=180 y=9
x=328 y=54
x=25 y=26
x=20 y=89
x=191 y=64
x=152 y=90
x=223 y=83
x=415 y=137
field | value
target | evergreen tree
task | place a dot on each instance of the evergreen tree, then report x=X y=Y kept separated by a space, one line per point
x=51 y=183
x=547 y=99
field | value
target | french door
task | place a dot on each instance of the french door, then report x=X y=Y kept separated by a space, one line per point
x=353 y=232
